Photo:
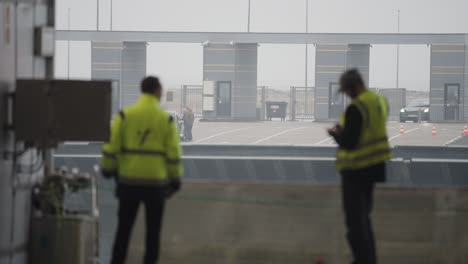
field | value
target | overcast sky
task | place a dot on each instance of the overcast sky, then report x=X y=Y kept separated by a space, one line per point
x=280 y=66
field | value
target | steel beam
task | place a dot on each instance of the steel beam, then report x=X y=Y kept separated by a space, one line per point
x=266 y=38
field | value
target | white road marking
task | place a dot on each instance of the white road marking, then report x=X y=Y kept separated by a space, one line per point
x=278 y=134
x=323 y=141
x=86 y=156
x=220 y=134
x=406 y=132
x=453 y=140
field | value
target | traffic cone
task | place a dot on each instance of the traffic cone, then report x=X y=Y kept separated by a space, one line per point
x=402 y=130
x=434 y=132
x=465 y=131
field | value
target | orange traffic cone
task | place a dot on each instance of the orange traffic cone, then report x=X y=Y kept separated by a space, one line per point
x=465 y=131
x=434 y=132
x=402 y=130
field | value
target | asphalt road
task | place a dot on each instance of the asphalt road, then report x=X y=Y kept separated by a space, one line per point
x=314 y=133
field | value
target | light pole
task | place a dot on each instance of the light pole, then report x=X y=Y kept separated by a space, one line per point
x=248 y=17
x=68 y=48
x=97 y=15
x=111 y=14
x=398 y=54
x=307 y=45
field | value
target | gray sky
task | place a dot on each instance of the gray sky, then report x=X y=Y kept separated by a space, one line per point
x=280 y=66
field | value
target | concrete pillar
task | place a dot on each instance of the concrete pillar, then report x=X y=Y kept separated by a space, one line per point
x=447 y=77
x=106 y=57
x=232 y=69
x=331 y=61
x=125 y=64
x=133 y=71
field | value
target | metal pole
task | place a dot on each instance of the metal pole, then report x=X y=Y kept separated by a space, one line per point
x=307 y=46
x=111 y=14
x=306 y=81
x=398 y=55
x=248 y=18
x=97 y=15
x=68 y=49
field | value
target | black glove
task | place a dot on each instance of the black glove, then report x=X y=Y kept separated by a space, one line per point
x=174 y=186
x=109 y=174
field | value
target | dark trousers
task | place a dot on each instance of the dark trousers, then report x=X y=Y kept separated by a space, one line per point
x=357 y=192
x=129 y=201
x=188 y=132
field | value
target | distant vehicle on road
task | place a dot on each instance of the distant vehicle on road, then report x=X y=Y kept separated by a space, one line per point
x=416 y=111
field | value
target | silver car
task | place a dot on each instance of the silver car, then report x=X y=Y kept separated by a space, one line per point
x=416 y=111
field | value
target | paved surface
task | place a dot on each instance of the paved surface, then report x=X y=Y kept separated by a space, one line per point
x=314 y=133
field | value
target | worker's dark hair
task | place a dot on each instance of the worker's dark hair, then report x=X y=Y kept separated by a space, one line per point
x=150 y=85
x=350 y=80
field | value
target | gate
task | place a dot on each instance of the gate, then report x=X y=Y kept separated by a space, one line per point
x=262 y=97
x=302 y=104
x=192 y=97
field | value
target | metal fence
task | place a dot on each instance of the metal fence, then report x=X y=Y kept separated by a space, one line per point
x=302 y=103
x=192 y=96
x=397 y=100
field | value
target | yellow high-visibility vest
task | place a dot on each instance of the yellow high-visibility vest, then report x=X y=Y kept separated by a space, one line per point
x=373 y=147
x=144 y=145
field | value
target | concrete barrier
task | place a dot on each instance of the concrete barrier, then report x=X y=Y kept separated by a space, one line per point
x=282 y=205
x=234 y=223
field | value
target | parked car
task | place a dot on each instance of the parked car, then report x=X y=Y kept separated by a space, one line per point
x=179 y=123
x=416 y=111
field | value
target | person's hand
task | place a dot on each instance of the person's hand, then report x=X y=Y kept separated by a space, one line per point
x=335 y=131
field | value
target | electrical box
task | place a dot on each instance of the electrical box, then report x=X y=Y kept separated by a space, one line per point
x=50 y=111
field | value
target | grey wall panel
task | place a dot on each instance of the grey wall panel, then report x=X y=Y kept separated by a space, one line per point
x=330 y=63
x=236 y=63
x=321 y=102
x=359 y=58
x=447 y=67
x=133 y=71
x=245 y=90
x=25 y=66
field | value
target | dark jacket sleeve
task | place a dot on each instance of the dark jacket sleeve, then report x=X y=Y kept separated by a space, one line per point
x=349 y=139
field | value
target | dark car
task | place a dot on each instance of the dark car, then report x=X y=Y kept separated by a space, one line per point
x=416 y=111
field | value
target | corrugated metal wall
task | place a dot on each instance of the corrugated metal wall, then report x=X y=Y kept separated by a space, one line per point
x=133 y=71
x=236 y=63
x=106 y=59
x=447 y=68
x=331 y=61
x=125 y=64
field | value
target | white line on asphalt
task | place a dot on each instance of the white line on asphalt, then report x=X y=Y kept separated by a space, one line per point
x=86 y=156
x=406 y=132
x=278 y=134
x=453 y=140
x=323 y=141
x=220 y=134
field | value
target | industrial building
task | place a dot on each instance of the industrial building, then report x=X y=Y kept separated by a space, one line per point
x=251 y=200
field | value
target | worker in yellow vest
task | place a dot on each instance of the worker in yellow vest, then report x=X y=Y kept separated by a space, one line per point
x=363 y=151
x=144 y=156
